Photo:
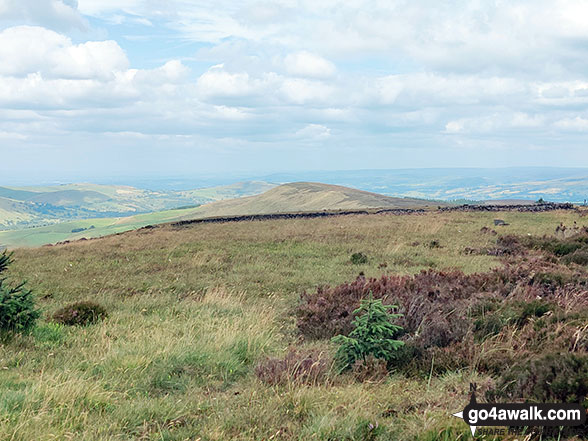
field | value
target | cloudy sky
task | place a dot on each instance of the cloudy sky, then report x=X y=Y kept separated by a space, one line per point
x=144 y=87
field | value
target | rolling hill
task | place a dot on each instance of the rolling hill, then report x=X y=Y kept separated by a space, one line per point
x=306 y=196
x=287 y=198
x=555 y=184
x=24 y=207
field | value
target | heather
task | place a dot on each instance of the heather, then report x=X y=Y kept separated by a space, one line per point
x=80 y=313
x=524 y=324
x=203 y=340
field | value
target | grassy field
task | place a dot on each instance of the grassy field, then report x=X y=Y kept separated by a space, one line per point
x=289 y=198
x=59 y=232
x=193 y=310
x=28 y=207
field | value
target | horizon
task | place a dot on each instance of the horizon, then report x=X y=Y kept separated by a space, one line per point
x=555 y=184
x=226 y=178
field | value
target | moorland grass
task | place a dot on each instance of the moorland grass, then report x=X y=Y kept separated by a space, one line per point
x=193 y=310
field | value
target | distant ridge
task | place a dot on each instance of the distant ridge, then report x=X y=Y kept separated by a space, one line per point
x=298 y=197
x=305 y=197
x=287 y=201
x=33 y=206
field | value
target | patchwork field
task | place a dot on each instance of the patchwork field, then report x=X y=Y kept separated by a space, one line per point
x=195 y=312
x=29 y=207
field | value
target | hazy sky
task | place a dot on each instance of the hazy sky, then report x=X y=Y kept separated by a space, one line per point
x=139 y=87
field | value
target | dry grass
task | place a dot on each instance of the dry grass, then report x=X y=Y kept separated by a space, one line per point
x=191 y=312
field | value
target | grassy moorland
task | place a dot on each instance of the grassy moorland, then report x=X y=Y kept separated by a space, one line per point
x=288 y=198
x=194 y=312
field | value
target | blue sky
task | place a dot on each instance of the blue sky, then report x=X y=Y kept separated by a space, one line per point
x=98 y=88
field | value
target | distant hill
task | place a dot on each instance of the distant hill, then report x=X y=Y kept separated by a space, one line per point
x=238 y=190
x=287 y=198
x=479 y=184
x=508 y=202
x=25 y=207
x=306 y=196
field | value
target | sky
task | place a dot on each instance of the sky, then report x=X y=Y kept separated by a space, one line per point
x=96 y=88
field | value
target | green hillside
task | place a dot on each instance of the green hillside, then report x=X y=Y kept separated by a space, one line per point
x=237 y=190
x=84 y=228
x=306 y=196
x=287 y=198
x=25 y=207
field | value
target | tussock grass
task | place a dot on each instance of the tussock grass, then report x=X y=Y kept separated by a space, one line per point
x=192 y=310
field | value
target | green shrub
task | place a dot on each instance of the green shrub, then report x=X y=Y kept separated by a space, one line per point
x=513 y=313
x=565 y=248
x=554 y=245
x=488 y=325
x=554 y=377
x=536 y=308
x=550 y=279
x=359 y=259
x=579 y=257
x=17 y=305
x=17 y=309
x=373 y=335
x=80 y=313
x=559 y=377
x=4 y=261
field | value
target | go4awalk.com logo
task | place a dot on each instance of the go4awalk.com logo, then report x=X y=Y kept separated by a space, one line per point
x=520 y=414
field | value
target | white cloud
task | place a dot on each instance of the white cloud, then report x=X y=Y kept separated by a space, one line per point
x=217 y=82
x=495 y=123
x=12 y=136
x=393 y=73
x=26 y=50
x=41 y=69
x=301 y=91
x=543 y=37
x=305 y=64
x=454 y=126
x=99 y=7
x=55 y=14
x=314 y=132
x=555 y=92
x=427 y=89
x=267 y=88
x=33 y=92
x=574 y=124
x=230 y=113
x=173 y=71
